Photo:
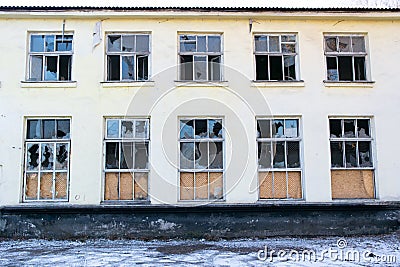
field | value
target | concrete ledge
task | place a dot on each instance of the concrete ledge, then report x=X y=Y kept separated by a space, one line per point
x=210 y=221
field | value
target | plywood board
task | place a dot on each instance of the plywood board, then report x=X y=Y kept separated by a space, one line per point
x=352 y=184
x=201 y=180
x=265 y=185
x=111 y=186
x=216 y=185
x=61 y=185
x=280 y=187
x=141 y=186
x=294 y=184
x=126 y=186
x=186 y=186
x=31 y=186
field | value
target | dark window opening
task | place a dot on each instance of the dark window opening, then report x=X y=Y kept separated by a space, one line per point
x=113 y=68
x=261 y=67
x=186 y=67
x=275 y=64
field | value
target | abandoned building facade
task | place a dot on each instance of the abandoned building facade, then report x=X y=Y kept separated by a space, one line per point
x=191 y=106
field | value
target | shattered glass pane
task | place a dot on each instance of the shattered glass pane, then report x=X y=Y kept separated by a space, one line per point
x=63 y=129
x=187 y=43
x=336 y=154
x=128 y=68
x=278 y=149
x=288 y=48
x=274 y=44
x=214 y=43
x=187 y=38
x=264 y=155
x=112 y=155
x=293 y=154
x=215 y=128
x=32 y=160
x=141 y=155
x=142 y=43
x=187 y=155
x=344 y=44
x=128 y=43
x=260 y=43
x=47 y=156
x=62 y=152
x=37 y=43
x=358 y=43
x=186 y=129
x=331 y=44
x=127 y=129
x=363 y=128
x=64 y=44
x=277 y=128
x=350 y=151
x=216 y=155
x=214 y=68
x=263 y=128
x=201 y=43
x=200 y=67
x=335 y=128
x=34 y=129
x=51 y=68
x=127 y=149
x=49 y=43
x=186 y=68
x=291 y=128
x=290 y=67
x=201 y=155
x=332 y=72
x=36 y=68
x=288 y=38
x=349 y=128
x=364 y=153
x=141 y=129
x=114 y=43
x=49 y=128
x=112 y=128
x=201 y=129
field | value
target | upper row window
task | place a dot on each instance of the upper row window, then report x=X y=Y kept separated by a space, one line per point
x=50 y=57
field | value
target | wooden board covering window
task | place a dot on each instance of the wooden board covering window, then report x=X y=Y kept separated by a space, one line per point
x=201 y=180
x=61 y=185
x=186 y=186
x=141 y=184
x=31 y=186
x=275 y=185
x=352 y=184
x=46 y=185
x=216 y=185
x=126 y=186
x=111 y=186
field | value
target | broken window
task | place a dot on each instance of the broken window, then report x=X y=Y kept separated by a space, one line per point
x=50 y=57
x=275 y=57
x=200 y=57
x=279 y=162
x=201 y=160
x=128 y=57
x=345 y=58
x=352 y=168
x=47 y=151
x=126 y=163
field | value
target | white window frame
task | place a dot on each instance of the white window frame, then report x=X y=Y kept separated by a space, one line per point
x=271 y=140
x=133 y=54
x=280 y=53
x=45 y=54
x=201 y=54
x=208 y=171
x=121 y=140
x=54 y=142
x=336 y=54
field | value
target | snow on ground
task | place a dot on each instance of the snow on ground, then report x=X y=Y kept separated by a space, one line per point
x=372 y=250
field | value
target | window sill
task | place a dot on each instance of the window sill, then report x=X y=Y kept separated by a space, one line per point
x=201 y=83
x=45 y=84
x=366 y=84
x=112 y=84
x=277 y=83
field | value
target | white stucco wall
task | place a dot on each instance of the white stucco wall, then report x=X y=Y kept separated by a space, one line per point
x=237 y=100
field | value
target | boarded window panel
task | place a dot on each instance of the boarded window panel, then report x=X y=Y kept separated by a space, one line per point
x=126 y=186
x=275 y=65
x=65 y=68
x=352 y=184
x=31 y=186
x=186 y=186
x=201 y=180
x=266 y=185
x=280 y=186
x=111 y=186
x=262 y=67
x=61 y=185
x=216 y=185
x=46 y=185
x=294 y=185
x=186 y=68
x=113 y=67
x=345 y=68
x=141 y=186
x=36 y=68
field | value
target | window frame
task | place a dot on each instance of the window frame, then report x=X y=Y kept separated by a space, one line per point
x=201 y=54
x=202 y=170
x=46 y=54
x=120 y=141
x=39 y=171
x=286 y=169
x=280 y=53
x=133 y=54
x=353 y=55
